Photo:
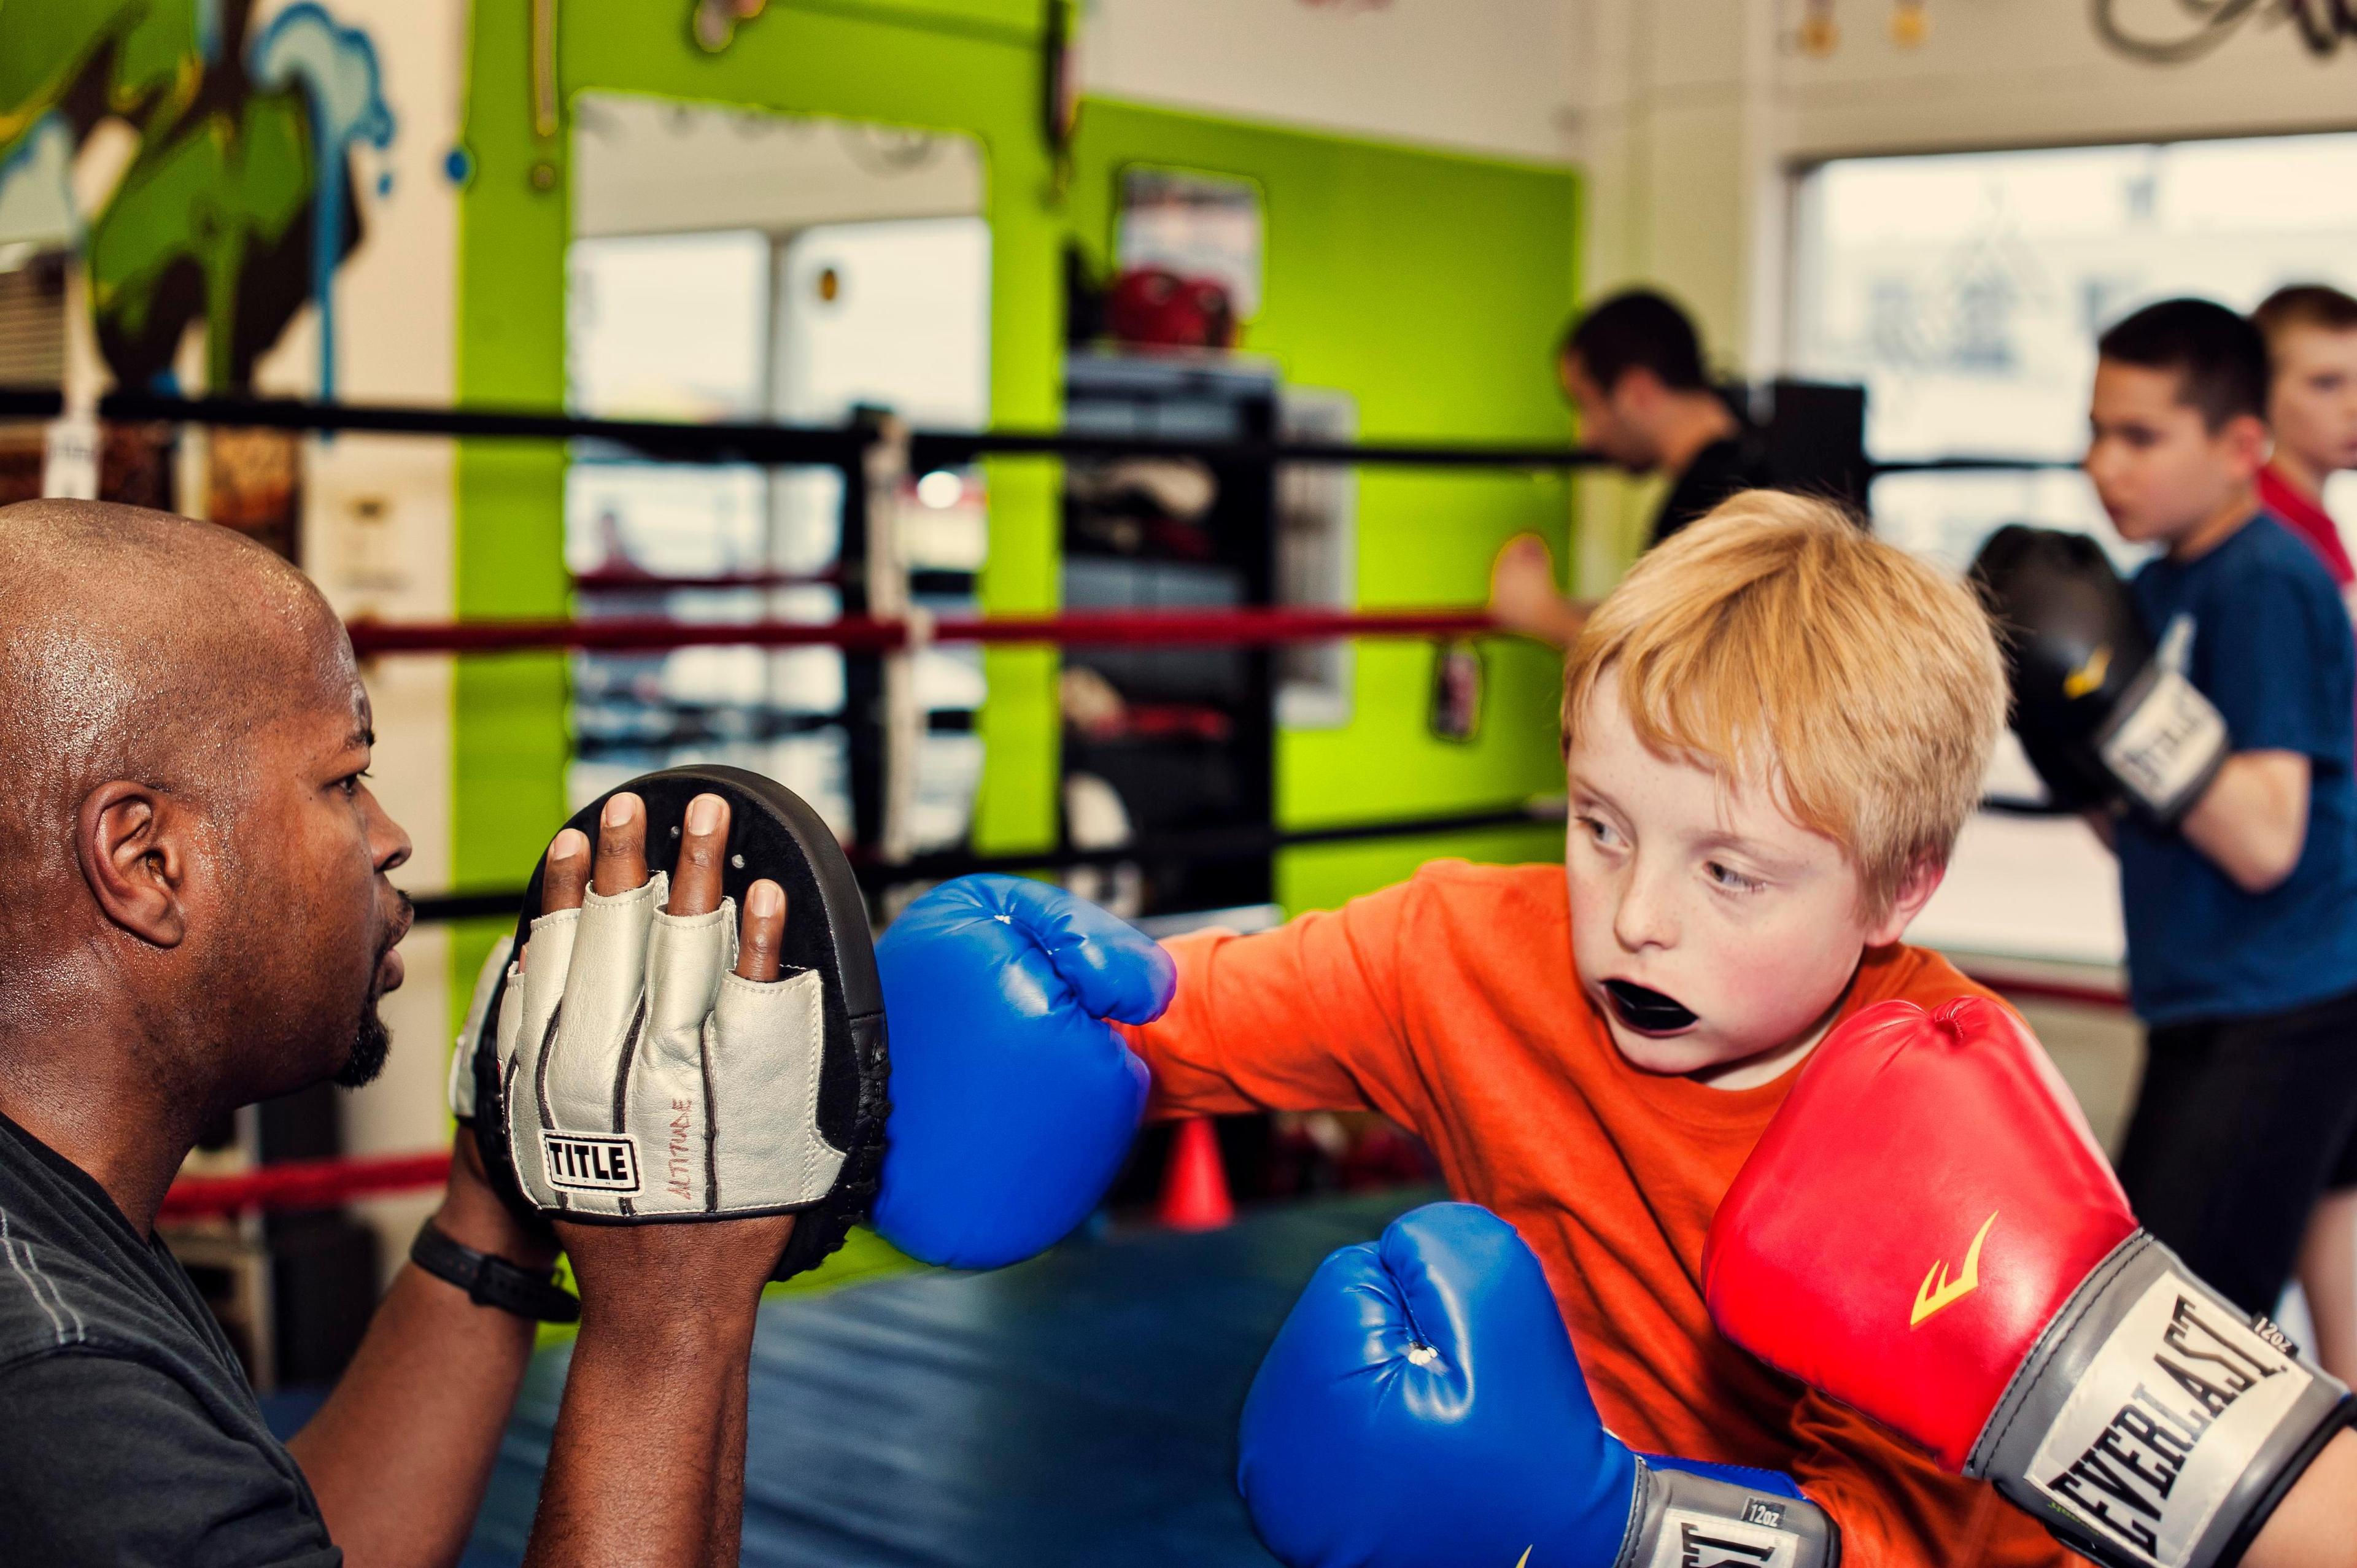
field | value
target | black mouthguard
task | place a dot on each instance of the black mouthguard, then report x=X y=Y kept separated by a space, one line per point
x=1648 y=1010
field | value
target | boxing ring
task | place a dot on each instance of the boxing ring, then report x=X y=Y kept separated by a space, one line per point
x=1078 y=1409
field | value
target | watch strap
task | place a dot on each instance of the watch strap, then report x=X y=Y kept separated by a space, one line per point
x=491 y=1281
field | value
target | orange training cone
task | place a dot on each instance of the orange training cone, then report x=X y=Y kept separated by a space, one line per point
x=1195 y=1186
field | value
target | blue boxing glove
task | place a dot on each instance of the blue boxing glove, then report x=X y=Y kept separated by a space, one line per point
x=1422 y=1407
x=1013 y=1102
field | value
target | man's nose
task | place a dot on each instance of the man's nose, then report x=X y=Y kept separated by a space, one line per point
x=389 y=846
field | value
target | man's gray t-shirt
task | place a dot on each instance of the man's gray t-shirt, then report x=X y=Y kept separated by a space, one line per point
x=128 y=1432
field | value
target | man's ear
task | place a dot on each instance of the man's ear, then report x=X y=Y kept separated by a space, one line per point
x=129 y=840
x=1638 y=391
x=1915 y=890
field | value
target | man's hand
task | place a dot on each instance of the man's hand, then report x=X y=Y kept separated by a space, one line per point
x=667 y=1309
x=472 y=1215
x=1524 y=597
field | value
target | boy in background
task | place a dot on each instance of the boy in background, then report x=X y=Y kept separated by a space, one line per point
x=2312 y=336
x=2230 y=746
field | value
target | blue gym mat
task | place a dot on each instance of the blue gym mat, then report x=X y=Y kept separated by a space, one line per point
x=1079 y=1409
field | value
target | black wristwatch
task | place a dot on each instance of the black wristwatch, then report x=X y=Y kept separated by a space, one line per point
x=494 y=1282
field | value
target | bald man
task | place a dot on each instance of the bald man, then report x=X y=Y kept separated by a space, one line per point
x=196 y=915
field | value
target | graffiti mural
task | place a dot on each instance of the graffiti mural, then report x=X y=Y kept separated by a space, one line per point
x=2197 y=26
x=234 y=208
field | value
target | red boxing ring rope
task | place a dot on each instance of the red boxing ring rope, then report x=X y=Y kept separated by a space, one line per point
x=872 y=634
x=320 y=1184
x=324 y=1184
x=304 y=1184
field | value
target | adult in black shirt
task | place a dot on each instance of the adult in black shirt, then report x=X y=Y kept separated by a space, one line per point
x=1716 y=471
x=1632 y=367
x=196 y=918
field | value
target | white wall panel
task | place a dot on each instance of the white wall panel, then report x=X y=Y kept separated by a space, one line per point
x=1490 y=76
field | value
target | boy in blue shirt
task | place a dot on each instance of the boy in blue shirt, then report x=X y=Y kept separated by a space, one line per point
x=2242 y=912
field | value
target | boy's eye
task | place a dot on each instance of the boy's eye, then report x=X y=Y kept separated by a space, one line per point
x=1733 y=881
x=1598 y=829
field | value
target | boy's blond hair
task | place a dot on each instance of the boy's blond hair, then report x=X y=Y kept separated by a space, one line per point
x=1776 y=641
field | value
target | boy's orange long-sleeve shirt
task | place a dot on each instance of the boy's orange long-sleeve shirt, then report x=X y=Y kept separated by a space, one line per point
x=1449 y=1004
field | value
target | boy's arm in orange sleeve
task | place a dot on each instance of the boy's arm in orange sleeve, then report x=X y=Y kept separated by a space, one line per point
x=1305 y=1017
x=1895 y=1508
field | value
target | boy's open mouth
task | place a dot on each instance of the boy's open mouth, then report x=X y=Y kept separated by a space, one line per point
x=1647 y=1012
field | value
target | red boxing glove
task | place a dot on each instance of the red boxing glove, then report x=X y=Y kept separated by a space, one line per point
x=1156 y=307
x=1927 y=1232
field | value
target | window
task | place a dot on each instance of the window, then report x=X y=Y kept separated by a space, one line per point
x=800 y=328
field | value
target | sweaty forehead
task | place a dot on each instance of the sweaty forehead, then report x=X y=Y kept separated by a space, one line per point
x=352 y=716
x=325 y=710
x=144 y=642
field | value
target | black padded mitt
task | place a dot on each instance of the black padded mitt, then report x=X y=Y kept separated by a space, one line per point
x=772 y=833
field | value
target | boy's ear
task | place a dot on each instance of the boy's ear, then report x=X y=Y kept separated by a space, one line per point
x=1915 y=890
x=2248 y=441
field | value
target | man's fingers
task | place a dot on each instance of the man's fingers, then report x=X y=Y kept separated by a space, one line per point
x=621 y=845
x=566 y=880
x=703 y=845
x=763 y=936
x=568 y=872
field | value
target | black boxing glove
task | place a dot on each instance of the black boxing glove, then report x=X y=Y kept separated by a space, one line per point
x=2104 y=715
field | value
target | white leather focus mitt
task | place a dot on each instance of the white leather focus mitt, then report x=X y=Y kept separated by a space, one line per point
x=644 y=1081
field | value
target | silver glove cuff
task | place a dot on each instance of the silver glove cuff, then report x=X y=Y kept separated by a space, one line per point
x=1680 y=1519
x=2155 y=1425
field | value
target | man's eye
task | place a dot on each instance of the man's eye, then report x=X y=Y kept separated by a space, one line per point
x=350 y=782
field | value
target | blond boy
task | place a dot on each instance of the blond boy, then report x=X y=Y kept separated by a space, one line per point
x=1773 y=731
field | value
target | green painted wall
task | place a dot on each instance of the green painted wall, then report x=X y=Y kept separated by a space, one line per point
x=954 y=65
x=1426 y=285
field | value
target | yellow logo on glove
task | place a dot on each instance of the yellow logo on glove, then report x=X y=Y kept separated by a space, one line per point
x=2089 y=676
x=1938 y=1292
